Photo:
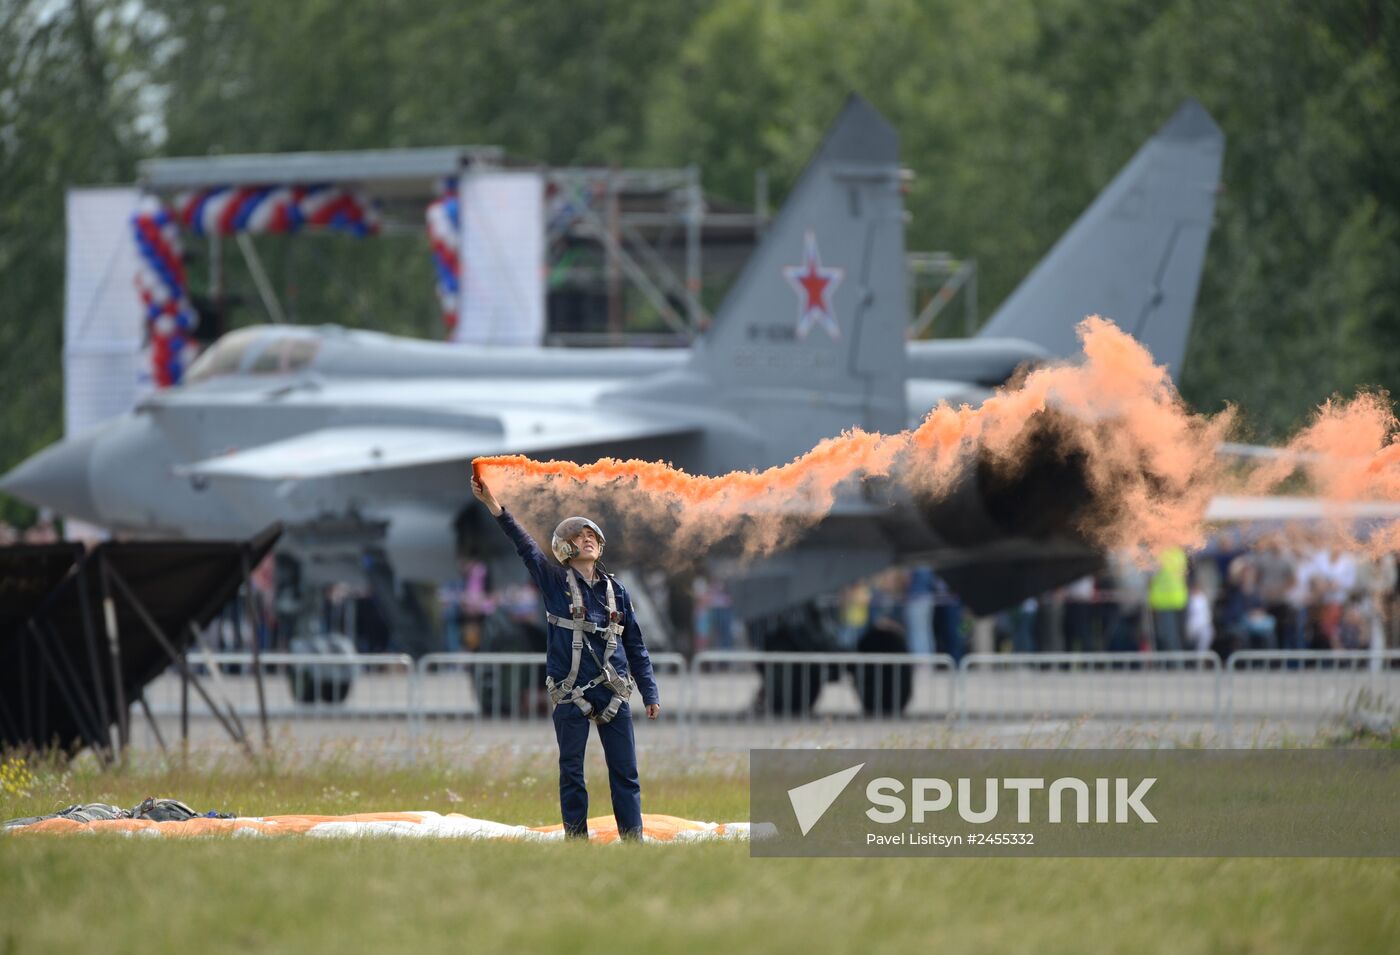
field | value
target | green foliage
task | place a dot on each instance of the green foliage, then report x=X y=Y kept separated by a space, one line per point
x=549 y=82
x=556 y=82
x=1307 y=224
x=65 y=118
x=1012 y=114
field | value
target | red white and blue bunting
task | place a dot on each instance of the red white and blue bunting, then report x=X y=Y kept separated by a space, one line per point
x=445 y=236
x=161 y=281
x=164 y=292
x=224 y=210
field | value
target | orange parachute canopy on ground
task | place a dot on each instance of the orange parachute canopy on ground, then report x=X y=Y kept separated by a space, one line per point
x=603 y=829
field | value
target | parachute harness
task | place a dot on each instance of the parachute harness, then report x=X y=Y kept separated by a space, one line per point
x=621 y=686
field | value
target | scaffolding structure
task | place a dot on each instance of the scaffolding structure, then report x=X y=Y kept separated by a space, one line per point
x=633 y=255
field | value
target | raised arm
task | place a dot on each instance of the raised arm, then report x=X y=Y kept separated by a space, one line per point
x=484 y=495
x=535 y=561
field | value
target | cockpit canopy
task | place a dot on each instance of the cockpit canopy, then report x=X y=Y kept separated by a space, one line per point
x=256 y=351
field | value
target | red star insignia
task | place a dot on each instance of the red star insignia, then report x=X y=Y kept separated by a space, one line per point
x=814 y=285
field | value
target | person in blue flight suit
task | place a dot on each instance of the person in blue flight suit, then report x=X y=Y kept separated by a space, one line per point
x=595 y=653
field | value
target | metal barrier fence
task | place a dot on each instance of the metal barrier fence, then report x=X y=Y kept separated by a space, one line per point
x=1167 y=686
x=497 y=692
x=1306 y=686
x=742 y=699
x=304 y=687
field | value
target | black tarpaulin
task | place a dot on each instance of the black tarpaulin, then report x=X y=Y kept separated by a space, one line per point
x=58 y=672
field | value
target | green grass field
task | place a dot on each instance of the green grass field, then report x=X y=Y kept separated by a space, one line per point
x=224 y=894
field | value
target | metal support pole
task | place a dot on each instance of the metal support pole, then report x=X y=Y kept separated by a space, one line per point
x=1230 y=704
x=614 y=265
x=217 y=678
x=151 y=721
x=79 y=685
x=957 y=281
x=114 y=652
x=28 y=707
x=184 y=713
x=760 y=201
x=90 y=638
x=618 y=255
x=652 y=260
x=82 y=714
x=1218 y=686
x=252 y=608
x=178 y=659
x=216 y=267
x=970 y=298
x=255 y=268
x=694 y=216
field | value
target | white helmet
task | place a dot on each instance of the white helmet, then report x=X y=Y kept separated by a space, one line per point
x=562 y=543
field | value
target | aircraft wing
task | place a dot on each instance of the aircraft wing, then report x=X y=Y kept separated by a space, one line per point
x=360 y=449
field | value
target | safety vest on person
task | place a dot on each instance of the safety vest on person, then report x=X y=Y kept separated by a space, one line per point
x=565 y=691
x=1168 y=590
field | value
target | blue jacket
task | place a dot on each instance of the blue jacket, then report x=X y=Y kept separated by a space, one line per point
x=631 y=653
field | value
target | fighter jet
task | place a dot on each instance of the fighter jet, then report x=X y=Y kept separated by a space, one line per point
x=359 y=443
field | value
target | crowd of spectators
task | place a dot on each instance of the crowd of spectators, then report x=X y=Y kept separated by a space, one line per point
x=1266 y=594
x=1276 y=595
x=1224 y=598
x=1231 y=595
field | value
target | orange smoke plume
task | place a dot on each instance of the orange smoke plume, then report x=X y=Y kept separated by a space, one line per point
x=1149 y=464
x=1349 y=452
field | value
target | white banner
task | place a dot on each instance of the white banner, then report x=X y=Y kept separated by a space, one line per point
x=502 y=247
x=103 y=368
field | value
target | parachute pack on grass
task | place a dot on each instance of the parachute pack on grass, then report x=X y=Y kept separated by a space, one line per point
x=149 y=810
x=163 y=818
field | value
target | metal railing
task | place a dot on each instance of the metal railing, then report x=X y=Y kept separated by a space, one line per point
x=497 y=691
x=750 y=698
x=310 y=687
x=737 y=699
x=297 y=684
x=1269 y=686
x=1124 y=686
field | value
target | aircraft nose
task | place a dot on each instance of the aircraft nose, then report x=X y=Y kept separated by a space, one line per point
x=58 y=477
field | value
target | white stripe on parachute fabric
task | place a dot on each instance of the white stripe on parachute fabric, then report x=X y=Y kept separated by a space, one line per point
x=416 y=825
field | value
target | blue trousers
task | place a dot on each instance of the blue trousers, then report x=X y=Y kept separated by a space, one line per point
x=619 y=749
x=1167 y=627
x=947 y=629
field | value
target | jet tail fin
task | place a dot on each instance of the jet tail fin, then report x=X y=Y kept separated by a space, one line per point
x=1135 y=255
x=810 y=338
